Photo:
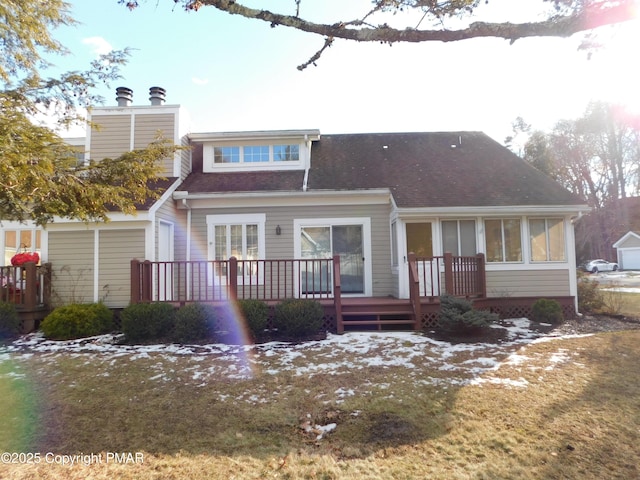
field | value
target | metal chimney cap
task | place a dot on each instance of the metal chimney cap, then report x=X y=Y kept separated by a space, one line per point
x=124 y=96
x=157 y=95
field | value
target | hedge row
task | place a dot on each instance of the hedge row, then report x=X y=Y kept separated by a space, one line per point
x=293 y=319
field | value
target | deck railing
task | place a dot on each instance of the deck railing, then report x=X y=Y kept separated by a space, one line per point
x=212 y=281
x=27 y=286
x=458 y=276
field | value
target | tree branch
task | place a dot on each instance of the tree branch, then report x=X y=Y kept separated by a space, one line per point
x=595 y=15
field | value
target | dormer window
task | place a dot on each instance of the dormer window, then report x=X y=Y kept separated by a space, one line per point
x=256 y=153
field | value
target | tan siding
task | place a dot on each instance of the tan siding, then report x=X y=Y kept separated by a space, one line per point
x=117 y=248
x=112 y=139
x=528 y=283
x=147 y=128
x=71 y=255
x=185 y=159
x=169 y=213
x=282 y=246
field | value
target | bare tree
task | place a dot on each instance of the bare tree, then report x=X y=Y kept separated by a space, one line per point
x=597 y=157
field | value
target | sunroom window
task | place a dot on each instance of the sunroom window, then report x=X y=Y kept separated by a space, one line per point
x=503 y=240
x=459 y=237
x=547 y=239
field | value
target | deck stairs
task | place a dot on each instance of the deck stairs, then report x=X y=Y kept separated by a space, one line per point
x=366 y=314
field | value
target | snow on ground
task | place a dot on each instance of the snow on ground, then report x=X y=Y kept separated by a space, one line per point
x=460 y=363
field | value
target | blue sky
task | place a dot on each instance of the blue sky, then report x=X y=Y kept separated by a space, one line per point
x=235 y=74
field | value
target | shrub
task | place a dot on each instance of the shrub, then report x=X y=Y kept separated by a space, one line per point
x=9 y=320
x=298 y=318
x=590 y=299
x=546 y=311
x=193 y=322
x=458 y=315
x=77 y=320
x=256 y=315
x=147 y=321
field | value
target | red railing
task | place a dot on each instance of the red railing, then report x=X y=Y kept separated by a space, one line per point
x=27 y=286
x=458 y=276
x=211 y=281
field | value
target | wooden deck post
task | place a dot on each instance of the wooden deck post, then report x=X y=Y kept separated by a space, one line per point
x=414 y=291
x=448 y=274
x=337 y=293
x=135 y=281
x=31 y=284
x=482 y=276
x=232 y=277
x=147 y=281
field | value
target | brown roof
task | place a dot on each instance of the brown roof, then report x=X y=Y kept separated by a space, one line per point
x=421 y=170
x=433 y=170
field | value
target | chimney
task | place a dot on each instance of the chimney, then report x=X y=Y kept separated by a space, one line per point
x=157 y=95
x=124 y=96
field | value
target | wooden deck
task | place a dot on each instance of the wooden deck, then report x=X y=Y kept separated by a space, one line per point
x=28 y=288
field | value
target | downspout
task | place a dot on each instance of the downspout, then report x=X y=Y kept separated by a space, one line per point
x=307 y=165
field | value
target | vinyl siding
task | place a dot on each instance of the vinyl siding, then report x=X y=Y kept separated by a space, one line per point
x=112 y=138
x=117 y=248
x=147 y=128
x=71 y=255
x=282 y=246
x=527 y=283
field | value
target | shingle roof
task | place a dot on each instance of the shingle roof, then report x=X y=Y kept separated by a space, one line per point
x=433 y=170
x=444 y=169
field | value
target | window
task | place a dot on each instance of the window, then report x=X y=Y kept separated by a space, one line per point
x=240 y=236
x=503 y=240
x=459 y=237
x=547 y=239
x=251 y=154
x=256 y=154
x=226 y=154
x=286 y=153
x=21 y=240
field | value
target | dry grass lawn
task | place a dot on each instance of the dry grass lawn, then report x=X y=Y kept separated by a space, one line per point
x=558 y=409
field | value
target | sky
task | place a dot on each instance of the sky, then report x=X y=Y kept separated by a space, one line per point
x=235 y=74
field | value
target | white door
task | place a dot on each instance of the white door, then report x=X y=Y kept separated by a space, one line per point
x=419 y=240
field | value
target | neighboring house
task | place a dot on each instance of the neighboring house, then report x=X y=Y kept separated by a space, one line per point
x=296 y=194
x=628 y=248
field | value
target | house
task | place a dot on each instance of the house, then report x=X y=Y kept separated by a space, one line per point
x=369 y=200
x=628 y=248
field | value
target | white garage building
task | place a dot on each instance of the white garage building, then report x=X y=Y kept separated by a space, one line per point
x=628 y=248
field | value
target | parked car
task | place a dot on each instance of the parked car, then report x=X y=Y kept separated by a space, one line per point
x=599 y=265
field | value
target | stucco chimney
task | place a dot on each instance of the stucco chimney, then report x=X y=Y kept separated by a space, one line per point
x=124 y=96
x=157 y=95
